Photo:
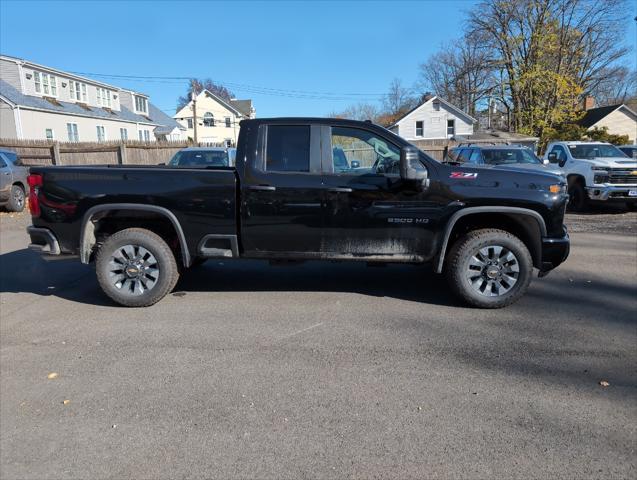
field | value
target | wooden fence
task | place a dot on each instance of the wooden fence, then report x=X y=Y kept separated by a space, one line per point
x=131 y=152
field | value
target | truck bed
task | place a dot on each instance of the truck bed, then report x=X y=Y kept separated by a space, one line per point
x=204 y=201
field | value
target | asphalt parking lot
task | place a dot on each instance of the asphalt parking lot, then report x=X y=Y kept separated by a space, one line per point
x=321 y=371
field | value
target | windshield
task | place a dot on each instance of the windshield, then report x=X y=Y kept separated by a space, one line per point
x=506 y=156
x=595 y=151
x=200 y=158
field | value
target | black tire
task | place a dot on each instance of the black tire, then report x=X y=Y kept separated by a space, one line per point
x=462 y=255
x=17 y=199
x=162 y=257
x=577 y=196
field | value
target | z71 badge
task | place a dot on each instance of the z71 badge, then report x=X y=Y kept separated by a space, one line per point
x=464 y=175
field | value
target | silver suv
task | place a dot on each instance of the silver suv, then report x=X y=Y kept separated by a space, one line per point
x=13 y=181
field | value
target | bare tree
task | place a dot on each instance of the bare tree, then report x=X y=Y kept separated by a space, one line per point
x=199 y=85
x=398 y=98
x=461 y=73
x=618 y=86
x=359 y=111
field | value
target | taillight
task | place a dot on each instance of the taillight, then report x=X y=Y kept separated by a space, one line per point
x=35 y=181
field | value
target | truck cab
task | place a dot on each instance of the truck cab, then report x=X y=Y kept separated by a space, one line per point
x=595 y=171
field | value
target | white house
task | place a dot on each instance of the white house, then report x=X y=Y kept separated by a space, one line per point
x=619 y=119
x=217 y=119
x=434 y=119
x=40 y=102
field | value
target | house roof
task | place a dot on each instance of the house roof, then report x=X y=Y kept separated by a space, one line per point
x=244 y=106
x=155 y=116
x=442 y=100
x=594 y=115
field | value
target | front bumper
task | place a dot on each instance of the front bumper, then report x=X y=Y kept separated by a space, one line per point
x=554 y=252
x=43 y=241
x=611 y=192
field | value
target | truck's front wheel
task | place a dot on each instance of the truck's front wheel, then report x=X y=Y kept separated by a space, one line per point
x=136 y=268
x=489 y=268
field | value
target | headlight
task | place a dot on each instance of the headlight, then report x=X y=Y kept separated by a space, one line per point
x=600 y=175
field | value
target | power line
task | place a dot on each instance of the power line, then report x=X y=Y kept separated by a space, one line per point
x=290 y=93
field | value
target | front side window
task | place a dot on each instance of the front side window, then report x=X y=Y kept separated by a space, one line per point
x=101 y=133
x=45 y=84
x=49 y=133
x=103 y=97
x=208 y=119
x=141 y=104
x=123 y=133
x=451 y=127
x=77 y=91
x=71 y=129
x=595 y=151
x=419 y=128
x=363 y=152
x=288 y=148
x=560 y=153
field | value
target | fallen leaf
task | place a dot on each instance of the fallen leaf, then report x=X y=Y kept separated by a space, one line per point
x=604 y=383
x=52 y=375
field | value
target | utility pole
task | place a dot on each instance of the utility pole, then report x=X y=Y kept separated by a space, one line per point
x=193 y=97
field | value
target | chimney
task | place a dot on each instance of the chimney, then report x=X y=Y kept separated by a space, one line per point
x=589 y=102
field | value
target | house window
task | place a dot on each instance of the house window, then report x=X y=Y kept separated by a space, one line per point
x=419 y=128
x=189 y=120
x=77 y=91
x=228 y=142
x=144 y=135
x=436 y=105
x=45 y=84
x=101 y=133
x=123 y=133
x=49 y=133
x=451 y=126
x=71 y=129
x=228 y=122
x=141 y=104
x=208 y=119
x=103 y=97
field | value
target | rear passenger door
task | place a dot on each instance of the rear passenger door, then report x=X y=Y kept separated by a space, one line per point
x=283 y=193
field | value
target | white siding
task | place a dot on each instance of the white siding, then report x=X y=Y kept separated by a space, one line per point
x=7 y=121
x=434 y=122
x=35 y=123
x=219 y=132
x=10 y=73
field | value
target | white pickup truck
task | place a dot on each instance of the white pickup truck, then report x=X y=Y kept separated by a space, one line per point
x=595 y=171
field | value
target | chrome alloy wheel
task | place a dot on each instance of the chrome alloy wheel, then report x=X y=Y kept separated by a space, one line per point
x=18 y=198
x=133 y=269
x=493 y=271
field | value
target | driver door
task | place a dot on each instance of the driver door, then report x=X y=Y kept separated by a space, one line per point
x=370 y=212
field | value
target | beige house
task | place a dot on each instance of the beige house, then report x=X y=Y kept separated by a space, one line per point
x=40 y=102
x=619 y=119
x=217 y=119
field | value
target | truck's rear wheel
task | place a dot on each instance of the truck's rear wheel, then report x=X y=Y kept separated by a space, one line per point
x=136 y=268
x=489 y=268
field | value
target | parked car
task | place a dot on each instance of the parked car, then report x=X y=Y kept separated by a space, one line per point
x=201 y=157
x=595 y=171
x=13 y=181
x=629 y=150
x=507 y=156
x=484 y=228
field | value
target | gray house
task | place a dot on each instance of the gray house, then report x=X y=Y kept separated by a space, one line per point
x=39 y=102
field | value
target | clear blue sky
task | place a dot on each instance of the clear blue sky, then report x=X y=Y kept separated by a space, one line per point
x=335 y=47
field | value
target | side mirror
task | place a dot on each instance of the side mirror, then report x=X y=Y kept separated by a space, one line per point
x=408 y=158
x=552 y=157
x=355 y=164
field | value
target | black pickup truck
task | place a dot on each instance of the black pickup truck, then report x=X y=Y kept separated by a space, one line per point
x=305 y=189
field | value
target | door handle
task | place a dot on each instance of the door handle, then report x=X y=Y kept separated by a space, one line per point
x=262 y=188
x=340 y=190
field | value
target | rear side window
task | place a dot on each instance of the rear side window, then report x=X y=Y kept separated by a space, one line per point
x=11 y=157
x=288 y=148
x=463 y=156
x=2 y=162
